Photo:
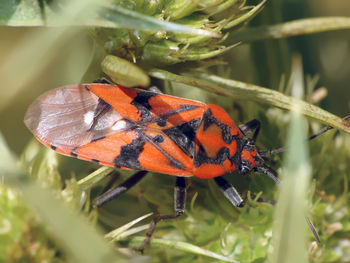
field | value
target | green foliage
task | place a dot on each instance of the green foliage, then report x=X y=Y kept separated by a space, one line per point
x=43 y=193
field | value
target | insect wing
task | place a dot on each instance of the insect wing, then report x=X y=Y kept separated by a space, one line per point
x=70 y=117
x=118 y=126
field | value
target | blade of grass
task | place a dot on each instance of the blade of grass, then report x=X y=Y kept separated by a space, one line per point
x=115 y=234
x=71 y=231
x=131 y=231
x=129 y=19
x=179 y=245
x=247 y=16
x=292 y=28
x=237 y=89
x=289 y=235
x=88 y=181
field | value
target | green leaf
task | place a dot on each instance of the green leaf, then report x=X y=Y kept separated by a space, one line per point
x=247 y=16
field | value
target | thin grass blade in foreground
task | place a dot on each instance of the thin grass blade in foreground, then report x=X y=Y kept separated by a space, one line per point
x=115 y=234
x=78 y=239
x=89 y=181
x=129 y=19
x=136 y=242
x=234 y=89
x=289 y=235
x=35 y=50
x=293 y=28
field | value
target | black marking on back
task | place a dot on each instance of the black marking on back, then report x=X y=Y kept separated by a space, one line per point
x=53 y=147
x=184 y=135
x=129 y=153
x=172 y=161
x=182 y=108
x=95 y=160
x=175 y=163
x=158 y=139
x=162 y=119
x=98 y=138
x=236 y=158
x=161 y=122
x=73 y=154
x=224 y=153
x=141 y=102
x=101 y=109
x=209 y=119
x=202 y=158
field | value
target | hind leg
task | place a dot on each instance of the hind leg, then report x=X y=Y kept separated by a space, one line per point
x=179 y=206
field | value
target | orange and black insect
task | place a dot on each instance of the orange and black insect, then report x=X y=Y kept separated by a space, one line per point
x=143 y=130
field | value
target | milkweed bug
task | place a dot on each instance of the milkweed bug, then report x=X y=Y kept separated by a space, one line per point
x=131 y=128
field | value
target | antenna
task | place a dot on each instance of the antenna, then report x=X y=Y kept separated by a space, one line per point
x=283 y=149
x=269 y=173
x=266 y=171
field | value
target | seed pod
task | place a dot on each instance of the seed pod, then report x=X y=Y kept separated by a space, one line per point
x=124 y=72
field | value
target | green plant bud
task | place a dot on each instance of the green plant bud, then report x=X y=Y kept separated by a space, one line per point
x=244 y=15
x=124 y=72
x=176 y=9
x=115 y=41
x=149 y=7
x=167 y=52
x=196 y=21
x=212 y=8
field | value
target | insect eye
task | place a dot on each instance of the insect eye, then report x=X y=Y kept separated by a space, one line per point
x=244 y=169
x=249 y=144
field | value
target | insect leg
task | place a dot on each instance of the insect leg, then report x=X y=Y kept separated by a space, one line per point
x=262 y=200
x=324 y=130
x=249 y=127
x=233 y=196
x=115 y=175
x=179 y=206
x=229 y=191
x=112 y=193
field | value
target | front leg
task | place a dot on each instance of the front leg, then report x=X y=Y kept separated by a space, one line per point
x=109 y=194
x=229 y=191
x=249 y=127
